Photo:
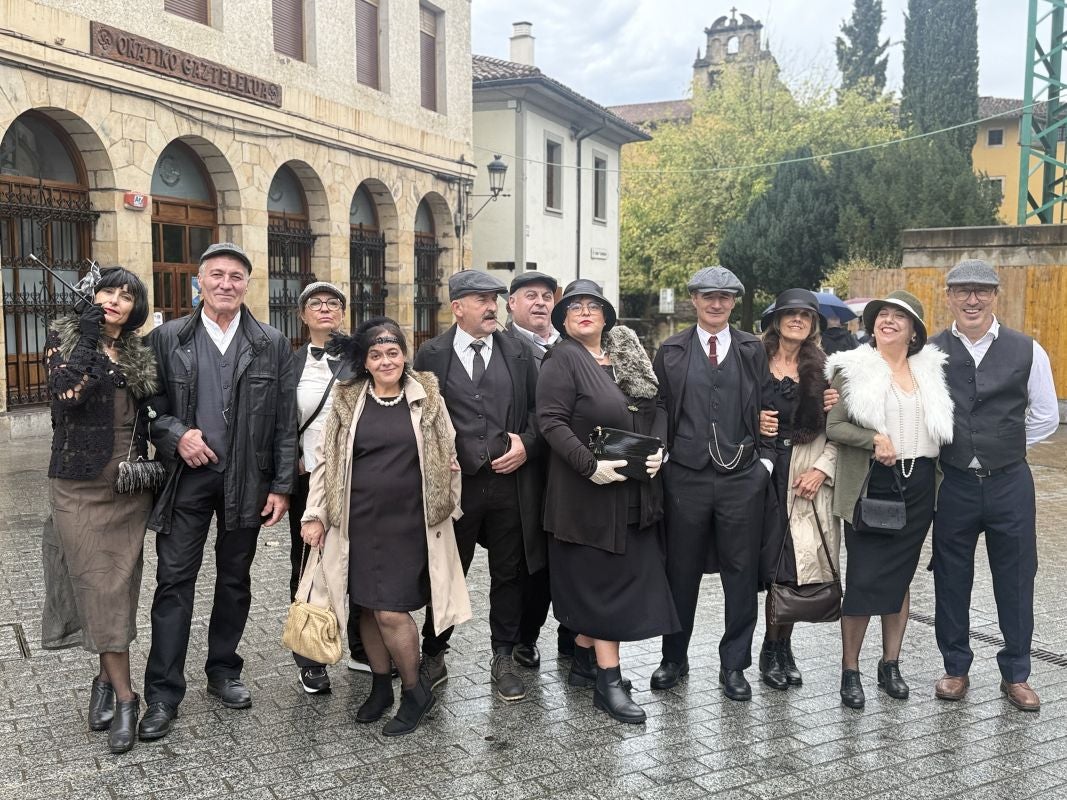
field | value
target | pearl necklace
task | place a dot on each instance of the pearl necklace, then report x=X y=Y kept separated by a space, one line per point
x=598 y=356
x=905 y=470
x=379 y=401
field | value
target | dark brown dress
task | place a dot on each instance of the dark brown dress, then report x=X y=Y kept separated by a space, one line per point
x=388 y=568
x=93 y=553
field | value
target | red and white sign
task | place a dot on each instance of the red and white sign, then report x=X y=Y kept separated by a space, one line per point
x=135 y=201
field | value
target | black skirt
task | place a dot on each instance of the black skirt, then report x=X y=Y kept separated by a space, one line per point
x=881 y=565
x=620 y=597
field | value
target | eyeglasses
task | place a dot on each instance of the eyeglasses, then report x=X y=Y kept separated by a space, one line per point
x=980 y=292
x=592 y=307
x=315 y=304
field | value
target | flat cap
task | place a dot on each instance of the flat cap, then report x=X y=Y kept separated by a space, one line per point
x=227 y=249
x=973 y=271
x=473 y=281
x=316 y=288
x=532 y=276
x=715 y=279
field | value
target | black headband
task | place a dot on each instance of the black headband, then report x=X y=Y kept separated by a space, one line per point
x=383 y=340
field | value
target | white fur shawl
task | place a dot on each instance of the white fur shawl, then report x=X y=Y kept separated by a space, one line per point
x=867 y=378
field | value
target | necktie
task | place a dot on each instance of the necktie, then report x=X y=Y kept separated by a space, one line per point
x=713 y=351
x=316 y=352
x=479 y=362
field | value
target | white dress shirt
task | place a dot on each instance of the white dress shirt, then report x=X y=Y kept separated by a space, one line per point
x=313 y=382
x=220 y=337
x=1042 y=410
x=722 y=342
x=544 y=344
x=462 y=346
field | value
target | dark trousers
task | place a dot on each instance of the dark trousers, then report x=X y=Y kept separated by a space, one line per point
x=298 y=556
x=709 y=513
x=200 y=495
x=490 y=518
x=1003 y=506
x=536 y=598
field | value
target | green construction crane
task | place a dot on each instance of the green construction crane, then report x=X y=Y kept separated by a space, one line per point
x=1040 y=133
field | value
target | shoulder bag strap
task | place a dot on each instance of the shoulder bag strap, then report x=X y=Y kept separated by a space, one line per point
x=318 y=410
x=825 y=546
x=781 y=553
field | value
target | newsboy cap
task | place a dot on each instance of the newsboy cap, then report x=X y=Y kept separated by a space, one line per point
x=532 y=276
x=972 y=272
x=715 y=279
x=316 y=288
x=473 y=281
x=227 y=249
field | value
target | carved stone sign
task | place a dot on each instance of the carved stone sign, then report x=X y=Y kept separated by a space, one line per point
x=129 y=48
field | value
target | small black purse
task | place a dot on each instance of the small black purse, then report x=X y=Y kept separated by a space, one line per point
x=811 y=602
x=613 y=444
x=876 y=515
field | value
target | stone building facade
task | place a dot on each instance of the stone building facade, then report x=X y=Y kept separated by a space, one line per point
x=331 y=145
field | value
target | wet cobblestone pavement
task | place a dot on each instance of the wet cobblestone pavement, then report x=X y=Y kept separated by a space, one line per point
x=796 y=744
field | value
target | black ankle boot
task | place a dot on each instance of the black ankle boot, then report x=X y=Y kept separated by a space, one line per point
x=771 y=668
x=890 y=680
x=611 y=696
x=123 y=731
x=583 y=668
x=415 y=703
x=101 y=705
x=379 y=701
x=789 y=664
x=851 y=689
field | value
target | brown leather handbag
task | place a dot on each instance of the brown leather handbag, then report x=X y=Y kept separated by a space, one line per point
x=812 y=602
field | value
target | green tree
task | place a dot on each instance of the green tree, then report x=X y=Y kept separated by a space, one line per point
x=940 y=86
x=788 y=238
x=861 y=56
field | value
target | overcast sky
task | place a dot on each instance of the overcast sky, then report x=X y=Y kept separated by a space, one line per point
x=634 y=51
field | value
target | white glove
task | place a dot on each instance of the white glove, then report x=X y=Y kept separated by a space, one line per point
x=605 y=472
x=654 y=462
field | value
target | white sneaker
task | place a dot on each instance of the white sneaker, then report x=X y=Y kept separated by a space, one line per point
x=358 y=666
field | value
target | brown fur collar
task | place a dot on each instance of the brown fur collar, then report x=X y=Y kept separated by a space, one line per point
x=137 y=362
x=809 y=419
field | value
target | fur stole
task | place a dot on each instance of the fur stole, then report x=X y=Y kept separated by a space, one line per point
x=867 y=380
x=633 y=370
x=809 y=419
x=437 y=445
x=137 y=362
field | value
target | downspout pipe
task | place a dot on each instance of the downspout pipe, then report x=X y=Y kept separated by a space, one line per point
x=579 y=137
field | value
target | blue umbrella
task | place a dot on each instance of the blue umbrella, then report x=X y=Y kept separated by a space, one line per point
x=829 y=305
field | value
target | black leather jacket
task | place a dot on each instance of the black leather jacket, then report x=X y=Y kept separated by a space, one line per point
x=262 y=454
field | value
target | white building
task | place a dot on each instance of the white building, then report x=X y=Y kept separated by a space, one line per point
x=562 y=152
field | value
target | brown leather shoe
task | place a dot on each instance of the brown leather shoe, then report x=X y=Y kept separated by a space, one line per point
x=952 y=687
x=1021 y=696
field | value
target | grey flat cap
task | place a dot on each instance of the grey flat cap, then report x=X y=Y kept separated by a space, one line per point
x=473 y=281
x=316 y=288
x=532 y=276
x=974 y=271
x=715 y=279
x=227 y=249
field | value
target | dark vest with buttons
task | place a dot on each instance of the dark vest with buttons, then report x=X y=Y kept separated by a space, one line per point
x=712 y=395
x=479 y=414
x=214 y=388
x=990 y=415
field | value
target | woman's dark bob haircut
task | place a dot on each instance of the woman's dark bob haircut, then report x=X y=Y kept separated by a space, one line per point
x=354 y=348
x=118 y=278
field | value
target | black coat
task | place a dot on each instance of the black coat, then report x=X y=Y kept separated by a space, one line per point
x=262 y=455
x=436 y=356
x=672 y=367
x=574 y=396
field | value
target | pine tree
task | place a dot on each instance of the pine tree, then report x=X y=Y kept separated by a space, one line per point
x=861 y=58
x=940 y=86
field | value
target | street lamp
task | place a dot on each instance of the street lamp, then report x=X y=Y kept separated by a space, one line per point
x=497 y=169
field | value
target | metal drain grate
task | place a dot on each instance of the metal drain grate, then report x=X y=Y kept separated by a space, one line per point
x=1046 y=656
x=13 y=643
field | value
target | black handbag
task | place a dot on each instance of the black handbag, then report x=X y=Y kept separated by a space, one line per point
x=812 y=602
x=613 y=444
x=877 y=515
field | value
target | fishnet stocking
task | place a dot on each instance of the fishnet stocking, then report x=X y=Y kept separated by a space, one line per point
x=391 y=637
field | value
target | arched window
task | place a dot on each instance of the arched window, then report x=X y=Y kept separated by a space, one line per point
x=427 y=275
x=366 y=260
x=184 y=223
x=44 y=211
x=733 y=45
x=289 y=243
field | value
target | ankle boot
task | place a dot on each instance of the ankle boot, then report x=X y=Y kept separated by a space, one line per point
x=610 y=696
x=771 y=668
x=415 y=703
x=583 y=668
x=890 y=680
x=123 y=731
x=379 y=700
x=101 y=705
x=789 y=664
x=851 y=689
